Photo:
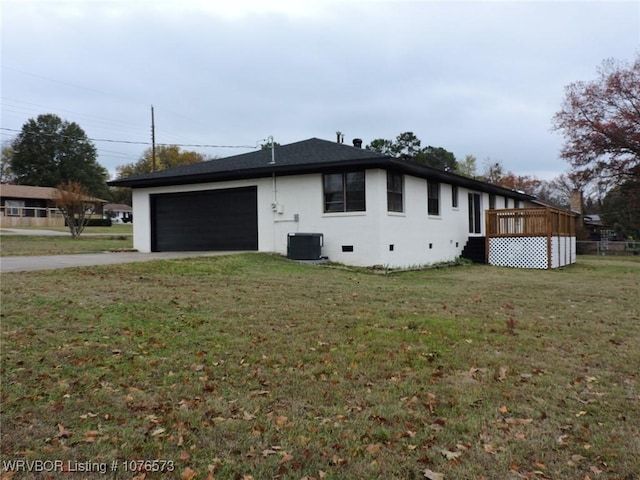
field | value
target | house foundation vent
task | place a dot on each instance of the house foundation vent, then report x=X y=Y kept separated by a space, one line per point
x=304 y=246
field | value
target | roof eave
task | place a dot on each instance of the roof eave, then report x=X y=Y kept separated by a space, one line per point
x=260 y=172
x=405 y=166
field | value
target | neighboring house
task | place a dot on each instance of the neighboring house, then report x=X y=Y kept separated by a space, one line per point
x=595 y=227
x=118 y=212
x=30 y=206
x=371 y=209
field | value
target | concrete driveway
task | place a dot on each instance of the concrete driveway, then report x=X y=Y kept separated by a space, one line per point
x=51 y=262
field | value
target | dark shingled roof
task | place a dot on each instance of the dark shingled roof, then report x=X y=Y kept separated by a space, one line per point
x=307 y=156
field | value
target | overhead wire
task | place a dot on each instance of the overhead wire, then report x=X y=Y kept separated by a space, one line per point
x=135 y=142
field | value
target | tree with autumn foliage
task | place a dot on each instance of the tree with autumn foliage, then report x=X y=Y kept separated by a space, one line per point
x=167 y=156
x=73 y=200
x=600 y=121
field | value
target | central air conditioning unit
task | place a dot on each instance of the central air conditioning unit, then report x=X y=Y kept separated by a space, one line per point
x=304 y=246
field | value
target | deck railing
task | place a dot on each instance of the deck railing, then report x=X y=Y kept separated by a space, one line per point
x=530 y=222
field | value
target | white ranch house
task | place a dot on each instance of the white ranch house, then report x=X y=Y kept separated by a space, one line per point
x=370 y=209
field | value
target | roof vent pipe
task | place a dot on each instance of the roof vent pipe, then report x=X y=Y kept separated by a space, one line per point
x=273 y=153
x=339 y=137
x=357 y=142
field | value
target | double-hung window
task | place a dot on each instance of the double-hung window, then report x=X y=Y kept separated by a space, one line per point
x=433 y=197
x=454 y=196
x=14 y=207
x=344 y=192
x=395 y=189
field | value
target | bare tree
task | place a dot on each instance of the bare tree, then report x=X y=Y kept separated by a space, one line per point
x=76 y=206
x=600 y=121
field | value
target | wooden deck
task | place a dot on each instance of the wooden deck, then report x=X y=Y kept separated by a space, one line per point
x=531 y=237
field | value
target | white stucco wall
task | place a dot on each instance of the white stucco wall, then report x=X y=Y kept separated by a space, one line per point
x=417 y=238
x=142 y=209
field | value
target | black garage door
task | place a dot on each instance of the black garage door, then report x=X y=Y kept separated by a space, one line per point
x=208 y=220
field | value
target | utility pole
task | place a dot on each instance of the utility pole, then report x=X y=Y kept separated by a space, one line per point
x=153 y=140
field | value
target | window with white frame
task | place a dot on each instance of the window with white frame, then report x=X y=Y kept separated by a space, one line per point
x=13 y=207
x=454 y=196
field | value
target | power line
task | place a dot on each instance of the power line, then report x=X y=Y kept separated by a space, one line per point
x=9 y=103
x=131 y=142
x=6 y=67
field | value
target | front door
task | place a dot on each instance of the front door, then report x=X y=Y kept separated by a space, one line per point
x=475 y=214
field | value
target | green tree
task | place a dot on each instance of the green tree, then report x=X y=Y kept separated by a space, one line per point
x=268 y=144
x=436 y=157
x=407 y=146
x=49 y=151
x=6 y=176
x=621 y=208
x=382 y=146
x=467 y=167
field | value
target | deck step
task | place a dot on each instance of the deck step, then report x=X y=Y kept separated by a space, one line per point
x=475 y=250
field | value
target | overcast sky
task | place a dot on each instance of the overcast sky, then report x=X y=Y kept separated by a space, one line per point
x=476 y=77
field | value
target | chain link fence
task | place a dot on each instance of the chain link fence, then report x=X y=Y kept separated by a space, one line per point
x=607 y=247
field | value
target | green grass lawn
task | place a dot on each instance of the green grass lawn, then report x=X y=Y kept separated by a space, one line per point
x=255 y=367
x=12 y=245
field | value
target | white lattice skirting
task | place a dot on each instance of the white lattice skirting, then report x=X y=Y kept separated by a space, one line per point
x=531 y=252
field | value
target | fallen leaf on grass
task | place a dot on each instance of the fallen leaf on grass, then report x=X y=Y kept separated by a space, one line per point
x=373 y=449
x=91 y=436
x=489 y=448
x=429 y=475
x=189 y=474
x=449 y=455
x=63 y=432
x=247 y=416
x=88 y=415
x=281 y=421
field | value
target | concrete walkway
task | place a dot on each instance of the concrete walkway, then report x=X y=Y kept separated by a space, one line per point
x=52 y=262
